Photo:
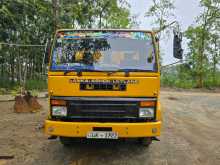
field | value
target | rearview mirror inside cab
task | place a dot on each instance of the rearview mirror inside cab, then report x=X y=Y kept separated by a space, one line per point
x=177 y=45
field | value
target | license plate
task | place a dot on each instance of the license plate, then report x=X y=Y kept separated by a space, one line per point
x=102 y=135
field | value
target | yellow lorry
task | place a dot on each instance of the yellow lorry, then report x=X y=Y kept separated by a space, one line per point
x=104 y=84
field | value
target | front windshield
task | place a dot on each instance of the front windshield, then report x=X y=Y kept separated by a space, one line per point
x=103 y=51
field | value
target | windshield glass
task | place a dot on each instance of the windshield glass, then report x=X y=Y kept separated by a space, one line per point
x=103 y=51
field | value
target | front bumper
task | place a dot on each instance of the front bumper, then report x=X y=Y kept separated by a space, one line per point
x=124 y=130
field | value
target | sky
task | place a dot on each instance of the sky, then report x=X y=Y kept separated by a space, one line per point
x=186 y=12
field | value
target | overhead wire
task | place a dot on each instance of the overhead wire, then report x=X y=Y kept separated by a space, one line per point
x=22 y=45
x=177 y=62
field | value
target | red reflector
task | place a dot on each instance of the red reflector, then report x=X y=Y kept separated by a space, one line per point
x=147 y=103
x=58 y=102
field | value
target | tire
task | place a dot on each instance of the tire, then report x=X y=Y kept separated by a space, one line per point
x=66 y=141
x=146 y=141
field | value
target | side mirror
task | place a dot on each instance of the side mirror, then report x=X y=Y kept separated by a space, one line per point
x=47 y=52
x=177 y=45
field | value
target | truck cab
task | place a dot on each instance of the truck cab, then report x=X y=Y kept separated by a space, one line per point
x=104 y=84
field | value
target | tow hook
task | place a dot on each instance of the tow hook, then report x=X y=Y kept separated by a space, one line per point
x=155 y=138
x=52 y=137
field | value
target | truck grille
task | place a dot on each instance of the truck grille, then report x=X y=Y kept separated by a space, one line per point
x=102 y=109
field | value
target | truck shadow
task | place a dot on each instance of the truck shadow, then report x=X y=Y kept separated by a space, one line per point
x=95 y=152
x=105 y=152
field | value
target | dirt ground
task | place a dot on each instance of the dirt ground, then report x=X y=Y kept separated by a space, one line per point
x=190 y=136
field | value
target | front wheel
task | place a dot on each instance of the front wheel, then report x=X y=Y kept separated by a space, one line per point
x=146 y=141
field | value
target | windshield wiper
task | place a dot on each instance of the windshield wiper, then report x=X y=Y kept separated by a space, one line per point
x=68 y=71
x=79 y=71
x=109 y=73
x=127 y=71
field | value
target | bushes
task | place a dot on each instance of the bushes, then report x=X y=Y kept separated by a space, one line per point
x=211 y=82
x=181 y=77
x=6 y=86
x=169 y=80
x=36 y=84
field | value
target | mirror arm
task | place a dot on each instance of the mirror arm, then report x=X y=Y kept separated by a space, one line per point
x=166 y=26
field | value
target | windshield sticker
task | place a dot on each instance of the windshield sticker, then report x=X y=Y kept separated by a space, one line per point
x=131 y=35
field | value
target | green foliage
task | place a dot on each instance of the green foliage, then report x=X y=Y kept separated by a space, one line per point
x=3 y=91
x=203 y=54
x=204 y=43
x=36 y=84
x=93 y=14
x=178 y=76
x=31 y=84
x=183 y=76
x=32 y=22
x=161 y=11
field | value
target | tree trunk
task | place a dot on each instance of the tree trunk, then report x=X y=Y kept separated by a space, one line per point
x=201 y=51
x=55 y=13
x=12 y=67
x=19 y=68
x=215 y=61
x=100 y=20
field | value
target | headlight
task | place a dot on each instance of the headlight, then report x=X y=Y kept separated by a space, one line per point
x=59 y=111
x=147 y=112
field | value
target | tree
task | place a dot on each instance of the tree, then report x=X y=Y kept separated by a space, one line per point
x=95 y=14
x=198 y=67
x=161 y=11
x=214 y=51
x=32 y=22
x=200 y=38
x=212 y=47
